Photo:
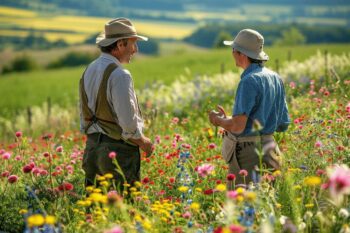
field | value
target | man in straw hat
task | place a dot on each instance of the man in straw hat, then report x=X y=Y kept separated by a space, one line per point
x=260 y=98
x=110 y=114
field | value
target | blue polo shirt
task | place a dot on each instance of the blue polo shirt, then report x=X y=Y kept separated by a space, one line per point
x=261 y=96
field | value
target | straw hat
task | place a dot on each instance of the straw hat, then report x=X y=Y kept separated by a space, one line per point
x=116 y=29
x=250 y=43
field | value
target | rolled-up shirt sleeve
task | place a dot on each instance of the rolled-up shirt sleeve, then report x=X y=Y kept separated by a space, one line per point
x=124 y=102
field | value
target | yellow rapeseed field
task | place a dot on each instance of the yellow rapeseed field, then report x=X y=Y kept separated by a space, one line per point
x=74 y=29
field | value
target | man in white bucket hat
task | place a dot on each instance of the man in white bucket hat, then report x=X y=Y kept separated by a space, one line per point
x=110 y=114
x=260 y=98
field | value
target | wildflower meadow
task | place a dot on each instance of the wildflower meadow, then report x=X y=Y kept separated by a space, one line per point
x=183 y=184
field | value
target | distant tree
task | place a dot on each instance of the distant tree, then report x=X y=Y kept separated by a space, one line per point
x=292 y=36
x=21 y=64
x=149 y=47
x=223 y=35
x=73 y=59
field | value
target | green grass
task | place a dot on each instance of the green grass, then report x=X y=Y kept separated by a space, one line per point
x=20 y=90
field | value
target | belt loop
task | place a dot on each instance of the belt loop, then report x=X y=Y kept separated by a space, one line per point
x=99 y=138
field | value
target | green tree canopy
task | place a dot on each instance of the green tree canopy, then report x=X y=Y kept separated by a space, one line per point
x=291 y=36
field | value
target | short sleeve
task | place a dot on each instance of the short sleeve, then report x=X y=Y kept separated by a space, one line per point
x=246 y=97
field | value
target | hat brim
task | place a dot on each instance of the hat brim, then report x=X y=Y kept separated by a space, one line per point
x=262 y=56
x=102 y=41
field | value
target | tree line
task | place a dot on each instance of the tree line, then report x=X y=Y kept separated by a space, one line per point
x=212 y=35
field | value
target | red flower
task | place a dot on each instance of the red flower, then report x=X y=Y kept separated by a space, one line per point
x=5 y=174
x=18 y=134
x=12 y=179
x=172 y=180
x=145 y=180
x=27 y=168
x=208 y=191
x=231 y=177
x=66 y=186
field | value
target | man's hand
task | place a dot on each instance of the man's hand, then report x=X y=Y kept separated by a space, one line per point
x=214 y=116
x=147 y=146
x=221 y=111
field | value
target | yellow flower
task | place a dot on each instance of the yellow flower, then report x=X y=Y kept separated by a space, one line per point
x=297 y=187
x=310 y=205
x=104 y=183
x=293 y=169
x=312 y=180
x=183 y=189
x=240 y=198
x=278 y=205
x=126 y=185
x=96 y=197
x=108 y=176
x=276 y=173
x=147 y=224
x=137 y=184
x=51 y=220
x=221 y=187
x=199 y=190
x=35 y=220
x=90 y=189
x=97 y=190
x=195 y=206
x=250 y=196
x=23 y=211
x=101 y=178
x=240 y=190
x=133 y=189
x=145 y=197
x=177 y=214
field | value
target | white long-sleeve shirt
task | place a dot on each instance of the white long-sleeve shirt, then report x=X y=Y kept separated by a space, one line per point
x=120 y=95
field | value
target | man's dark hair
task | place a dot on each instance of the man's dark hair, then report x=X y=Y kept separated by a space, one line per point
x=255 y=61
x=109 y=48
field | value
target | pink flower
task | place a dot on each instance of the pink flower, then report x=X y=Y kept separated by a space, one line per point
x=46 y=154
x=348 y=107
x=175 y=120
x=205 y=169
x=243 y=172
x=116 y=229
x=292 y=85
x=12 y=179
x=339 y=182
x=186 y=146
x=318 y=144
x=59 y=149
x=232 y=194
x=19 y=134
x=157 y=139
x=236 y=228
x=186 y=215
x=6 y=155
x=212 y=146
x=112 y=155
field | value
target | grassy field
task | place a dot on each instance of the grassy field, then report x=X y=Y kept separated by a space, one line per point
x=33 y=88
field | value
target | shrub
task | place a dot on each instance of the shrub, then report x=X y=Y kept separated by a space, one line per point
x=21 y=64
x=73 y=59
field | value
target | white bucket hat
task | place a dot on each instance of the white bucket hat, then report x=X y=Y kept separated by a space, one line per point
x=250 y=43
x=117 y=29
